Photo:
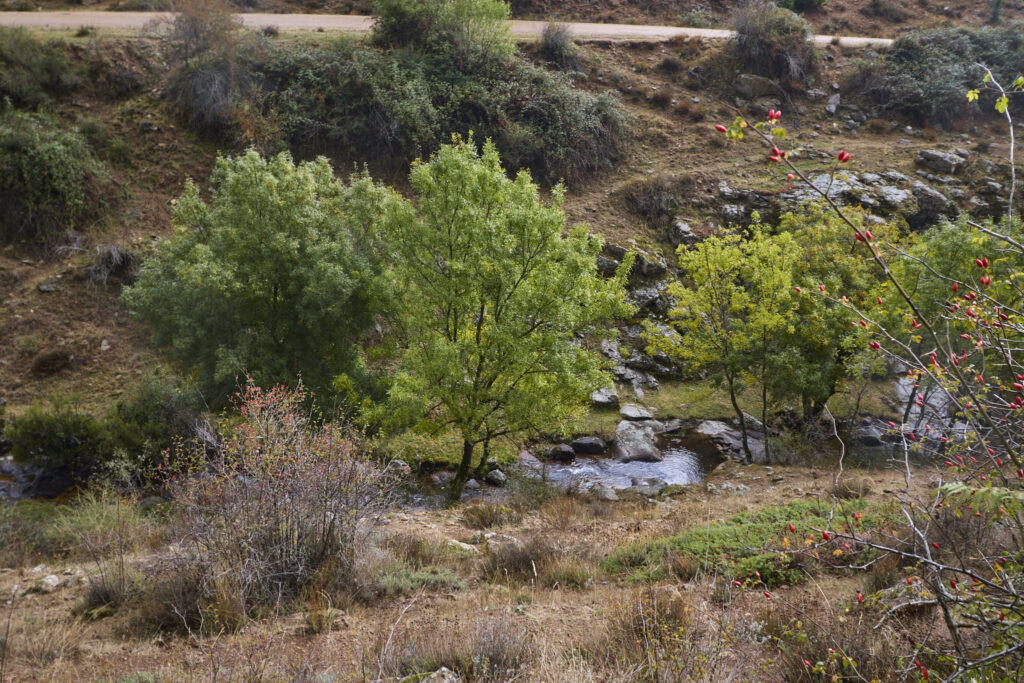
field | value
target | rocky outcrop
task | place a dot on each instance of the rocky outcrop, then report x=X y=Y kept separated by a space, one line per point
x=563 y=452
x=632 y=411
x=590 y=445
x=939 y=161
x=605 y=398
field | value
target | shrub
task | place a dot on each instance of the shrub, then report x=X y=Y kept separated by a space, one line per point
x=113 y=263
x=284 y=505
x=486 y=515
x=925 y=74
x=58 y=437
x=557 y=46
x=274 y=276
x=801 y=5
x=774 y=42
x=160 y=412
x=30 y=70
x=50 y=180
x=473 y=34
x=518 y=561
x=485 y=649
x=656 y=198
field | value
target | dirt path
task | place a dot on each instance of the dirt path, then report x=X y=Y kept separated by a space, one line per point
x=362 y=24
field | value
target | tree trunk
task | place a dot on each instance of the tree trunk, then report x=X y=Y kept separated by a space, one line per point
x=764 y=418
x=461 y=475
x=743 y=423
x=481 y=469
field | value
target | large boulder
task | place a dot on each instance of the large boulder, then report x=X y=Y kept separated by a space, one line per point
x=752 y=86
x=727 y=441
x=591 y=445
x=632 y=411
x=635 y=441
x=605 y=398
x=939 y=161
x=932 y=205
x=563 y=452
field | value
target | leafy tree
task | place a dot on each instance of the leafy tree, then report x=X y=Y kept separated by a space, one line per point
x=273 y=276
x=737 y=302
x=493 y=301
x=823 y=349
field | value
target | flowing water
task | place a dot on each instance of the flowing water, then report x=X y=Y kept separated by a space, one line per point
x=680 y=466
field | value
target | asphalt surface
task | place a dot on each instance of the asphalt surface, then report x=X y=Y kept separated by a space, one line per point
x=363 y=24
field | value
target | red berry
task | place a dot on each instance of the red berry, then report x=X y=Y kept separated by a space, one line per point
x=721 y=129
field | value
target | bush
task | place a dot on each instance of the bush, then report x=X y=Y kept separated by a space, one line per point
x=113 y=263
x=30 y=70
x=657 y=198
x=50 y=180
x=160 y=412
x=925 y=74
x=486 y=649
x=423 y=77
x=284 y=505
x=557 y=46
x=774 y=42
x=473 y=34
x=801 y=5
x=274 y=276
x=486 y=515
x=58 y=437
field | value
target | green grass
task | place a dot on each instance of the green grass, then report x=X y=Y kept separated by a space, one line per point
x=442 y=450
x=749 y=542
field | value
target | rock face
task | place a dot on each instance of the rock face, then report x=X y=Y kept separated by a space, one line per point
x=634 y=441
x=939 y=161
x=681 y=233
x=833 y=104
x=728 y=441
x=590 y=445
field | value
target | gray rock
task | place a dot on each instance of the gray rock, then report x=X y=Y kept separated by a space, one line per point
x=652 y=298
x=632 y=411
x=728 y=441
x=442 y=479
x=681 y=233
x=472 y=485
x=647 y=486
x=634 y=441
x=496 y=542
x=603 y=492
x=734 y=213
x=496 y=478
x=932 y=205
x=869 y=436
x=48 y=583
x=563 y=452
x=463 y=547
x=589 y=444
x=48 y=287
x=833 y=104
x=610 y=349
x=939 y=161
x=607 y=266
x=529 y=461
x=728 y=488
x=726 y=192
x=751 y=86
x=648 y=265
x=665 y=427
x=605 y=398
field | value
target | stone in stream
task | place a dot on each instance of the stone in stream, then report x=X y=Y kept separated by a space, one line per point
x=634 y=441
x=589 y=444
x=728 y=441
x=563 y=452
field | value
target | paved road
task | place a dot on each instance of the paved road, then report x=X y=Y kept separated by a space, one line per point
x=355 y=24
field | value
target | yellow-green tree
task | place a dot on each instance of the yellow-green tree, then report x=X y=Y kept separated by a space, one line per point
x=496 y=301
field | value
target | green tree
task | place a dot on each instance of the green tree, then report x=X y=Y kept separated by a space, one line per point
x=494 y=302
x=273 y=276
x=737 y=302
x=820 y=352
